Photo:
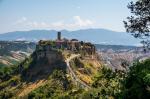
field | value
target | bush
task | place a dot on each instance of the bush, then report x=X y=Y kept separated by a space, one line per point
x=107 y=83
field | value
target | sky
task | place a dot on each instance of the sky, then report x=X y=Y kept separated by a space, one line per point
x=21 y=15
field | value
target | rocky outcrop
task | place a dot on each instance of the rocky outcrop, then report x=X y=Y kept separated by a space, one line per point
x=43 y=63
x=52 y=56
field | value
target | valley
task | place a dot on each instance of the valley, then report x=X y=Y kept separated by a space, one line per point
x=13 y=52
x=121 y=57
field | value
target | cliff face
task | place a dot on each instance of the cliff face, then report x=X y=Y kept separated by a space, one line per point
x=51 y=56
x=43 y=64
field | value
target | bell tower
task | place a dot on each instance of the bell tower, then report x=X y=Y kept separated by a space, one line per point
x=59 y=36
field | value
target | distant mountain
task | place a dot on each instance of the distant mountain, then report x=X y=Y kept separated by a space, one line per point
x=97 y=36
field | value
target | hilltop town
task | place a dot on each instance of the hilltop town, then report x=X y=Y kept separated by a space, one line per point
x=77 y=60
x=71 y=46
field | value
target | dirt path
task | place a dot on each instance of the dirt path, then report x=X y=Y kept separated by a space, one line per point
x=30 y=87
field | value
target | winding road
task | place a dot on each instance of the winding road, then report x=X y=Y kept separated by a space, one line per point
x=73 y=75
x=27 y=89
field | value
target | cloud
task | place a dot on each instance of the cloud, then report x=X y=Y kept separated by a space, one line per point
x=77 y=23
x=81 y=22
x=20 y=21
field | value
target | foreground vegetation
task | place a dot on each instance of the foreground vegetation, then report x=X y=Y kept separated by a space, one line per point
x=137 y=83
x=134 y=84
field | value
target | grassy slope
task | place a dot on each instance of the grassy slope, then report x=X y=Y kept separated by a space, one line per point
x=56 y=84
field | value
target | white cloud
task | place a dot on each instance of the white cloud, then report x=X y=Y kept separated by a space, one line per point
x=20 y=21
x=58 y=24
x=77 y=23
x=81 y=22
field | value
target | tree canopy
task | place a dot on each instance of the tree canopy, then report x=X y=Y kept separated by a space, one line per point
x=139 y=23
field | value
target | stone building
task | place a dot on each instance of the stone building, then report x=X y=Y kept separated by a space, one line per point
x=64 y=44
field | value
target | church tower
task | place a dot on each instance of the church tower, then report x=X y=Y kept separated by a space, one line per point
x=59 y=36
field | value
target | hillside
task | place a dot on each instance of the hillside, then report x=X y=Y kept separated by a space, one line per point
x=121 y=57
x=97 y=36
x=71 y=69
x=76 y=76
x=13 y=52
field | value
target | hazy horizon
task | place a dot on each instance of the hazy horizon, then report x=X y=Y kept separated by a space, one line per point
x=63 y=30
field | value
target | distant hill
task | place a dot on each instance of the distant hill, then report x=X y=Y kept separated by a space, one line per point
x=12 y=53
x=97 y=36
x=116 y=47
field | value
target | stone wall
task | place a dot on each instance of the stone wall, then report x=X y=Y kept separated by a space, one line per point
x=52 y=56
x=74 y=46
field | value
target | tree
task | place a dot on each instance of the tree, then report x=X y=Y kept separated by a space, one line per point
x=137 y=82
x=139 y=23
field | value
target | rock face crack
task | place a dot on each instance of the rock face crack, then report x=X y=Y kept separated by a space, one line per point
x=74 y=77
